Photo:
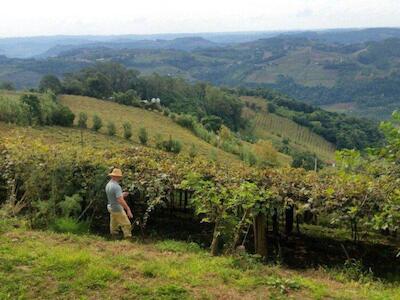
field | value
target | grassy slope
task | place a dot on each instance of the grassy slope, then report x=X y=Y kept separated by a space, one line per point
x=154 y=122
x=276 y=128
x=45 y=265
x=269 y=126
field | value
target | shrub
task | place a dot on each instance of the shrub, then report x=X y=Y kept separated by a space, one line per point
x=71 y=205
x=203 y=133
x=212 y=123
x=166 y=112
x=63 y=116
x=127 y=130
x=271 y=108
x=97 y=123
x=178 y=247
x=32 y=110
x=13 y=112
x=82 y=120
x=158 y=141
x=111 y=129
x=69 y=225
x=128 y=98
x=193 y=151
x=173 y=116
x=32 y=102
x=186 y=121
x=143 y=136
x=266 y=153
x=172 y=145
x=306 y=160
x=248 y=156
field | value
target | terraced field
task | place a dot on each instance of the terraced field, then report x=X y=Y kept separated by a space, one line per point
x=273 y=127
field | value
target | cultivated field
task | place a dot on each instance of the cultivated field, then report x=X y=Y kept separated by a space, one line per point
x=273 y=127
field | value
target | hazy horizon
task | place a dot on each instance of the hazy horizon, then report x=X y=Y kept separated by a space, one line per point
x=152 y=17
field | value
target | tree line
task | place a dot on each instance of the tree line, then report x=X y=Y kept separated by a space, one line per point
x=112 y=81
x=211 y=105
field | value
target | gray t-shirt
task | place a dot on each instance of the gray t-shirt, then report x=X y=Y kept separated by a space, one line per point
x=113 y=191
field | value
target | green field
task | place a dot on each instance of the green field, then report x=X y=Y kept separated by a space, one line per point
x=46 y=265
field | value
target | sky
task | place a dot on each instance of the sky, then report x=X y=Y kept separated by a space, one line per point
x=99 y=17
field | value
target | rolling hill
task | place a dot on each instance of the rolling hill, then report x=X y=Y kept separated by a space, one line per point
x=157 y=125
x=327 y=68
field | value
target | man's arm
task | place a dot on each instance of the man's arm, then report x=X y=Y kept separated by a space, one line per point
x=123 y=203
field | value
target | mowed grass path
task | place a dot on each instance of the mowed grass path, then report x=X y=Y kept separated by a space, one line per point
x=154 y=122
x=45 y=265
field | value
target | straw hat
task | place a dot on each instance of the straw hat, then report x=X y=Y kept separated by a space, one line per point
x=116 y=173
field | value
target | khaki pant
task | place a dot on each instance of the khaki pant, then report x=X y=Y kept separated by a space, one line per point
x=120 y=220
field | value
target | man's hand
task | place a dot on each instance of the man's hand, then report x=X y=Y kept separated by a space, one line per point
x=130 y=215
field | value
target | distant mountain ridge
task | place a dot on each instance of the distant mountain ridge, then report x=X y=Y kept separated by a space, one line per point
x=28 y=47
x=322 y=67
x=183 y=43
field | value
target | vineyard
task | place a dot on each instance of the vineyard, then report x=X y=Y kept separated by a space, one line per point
x=228 y=197
x=271 y=126
x=345 y=217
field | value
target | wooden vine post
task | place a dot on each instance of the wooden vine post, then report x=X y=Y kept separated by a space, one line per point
x=215 y=240
x=289 y=218
x=260 y=235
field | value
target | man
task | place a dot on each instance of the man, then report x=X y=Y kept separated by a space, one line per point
x=117 y=206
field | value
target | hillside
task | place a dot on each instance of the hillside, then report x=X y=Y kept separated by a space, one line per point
x=270 y=126
x=267 y=126
x=157 y=125
x=154 y=122
x=328 y=68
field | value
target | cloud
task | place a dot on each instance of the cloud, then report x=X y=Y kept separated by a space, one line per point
x=305 y=13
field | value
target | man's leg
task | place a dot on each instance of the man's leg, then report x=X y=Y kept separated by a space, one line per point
x=125 y=224
x=114 y=226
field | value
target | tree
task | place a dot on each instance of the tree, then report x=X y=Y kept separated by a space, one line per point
x=97 y=123
x=98 y=86
x=129 y=97
x=82 y=120
x=111 y=129
x=212 y=123
x=212 y=201
x=143 y=136
x=33 y=104
x=63 y=116
x=127 y=130
x=50 y=82
x=7 y=85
